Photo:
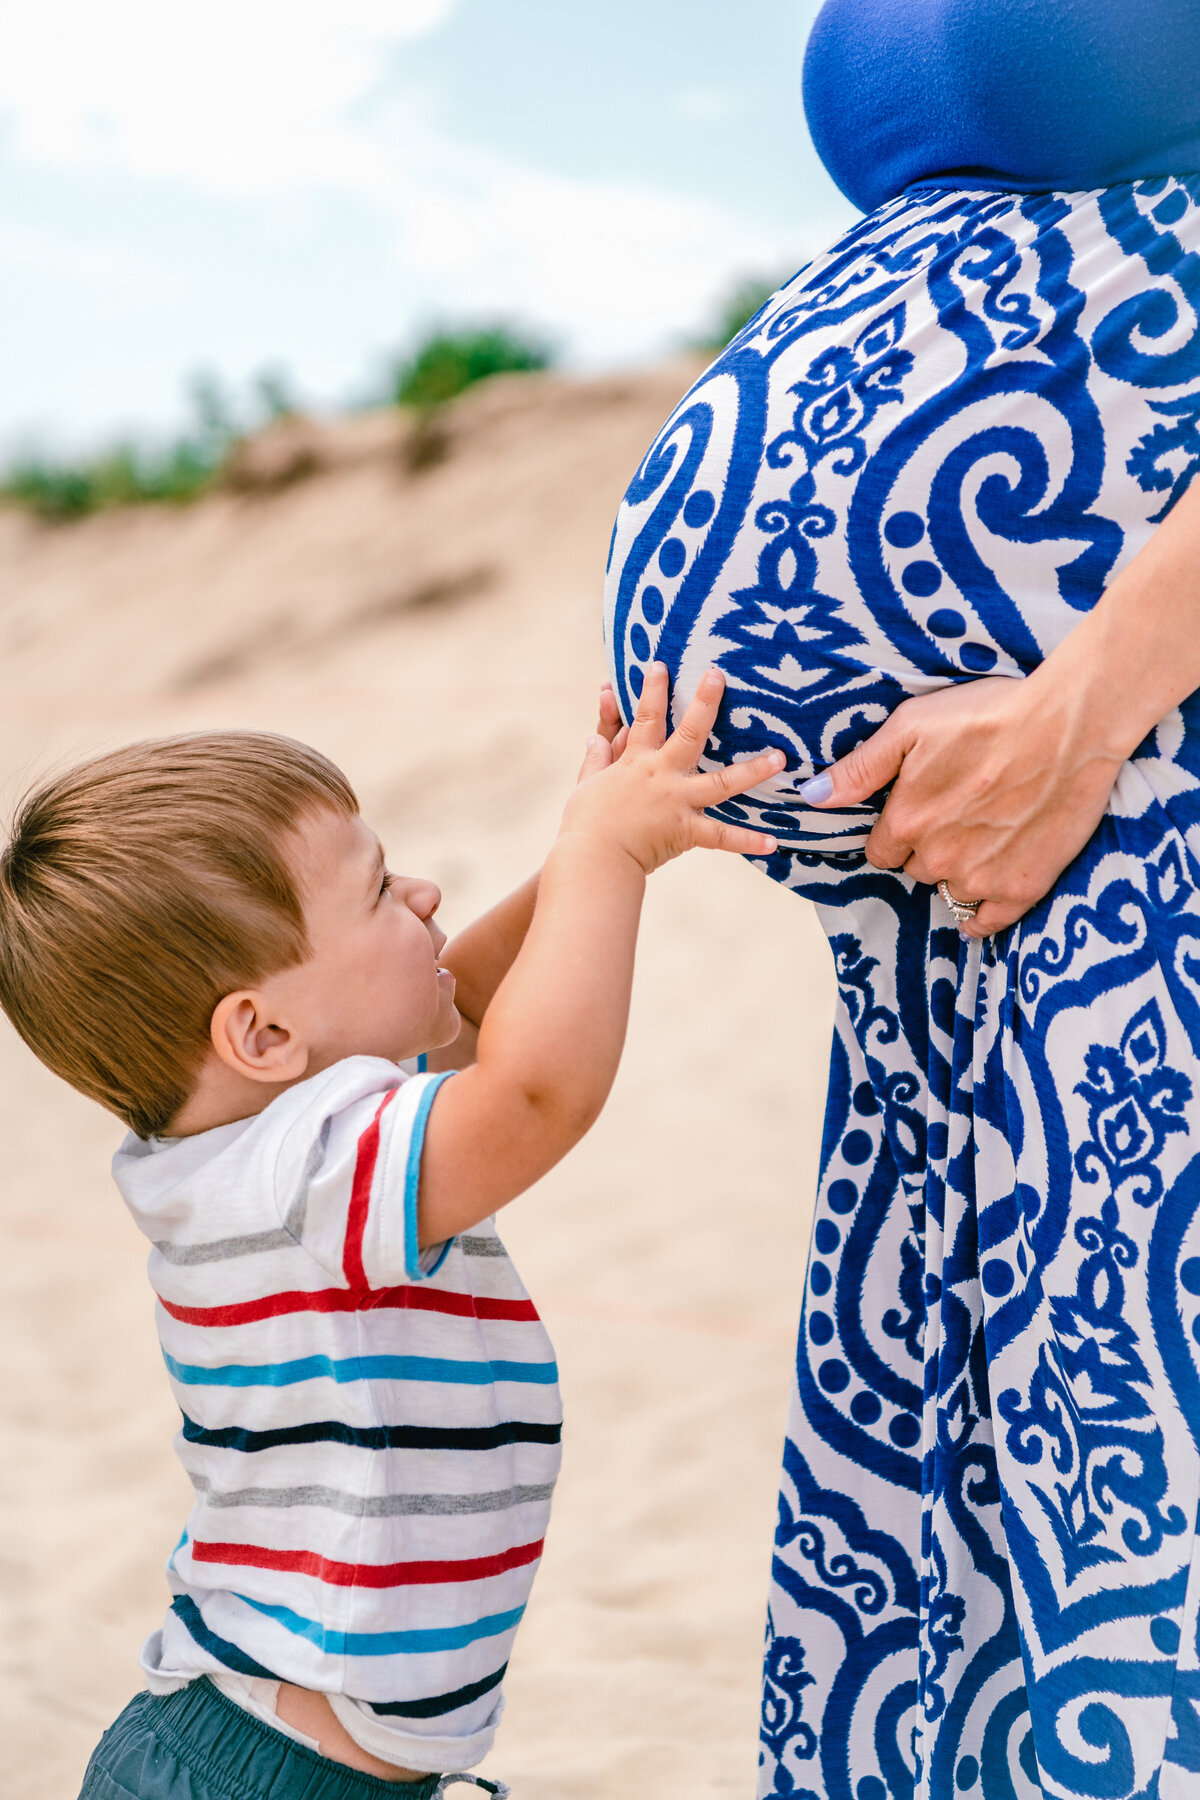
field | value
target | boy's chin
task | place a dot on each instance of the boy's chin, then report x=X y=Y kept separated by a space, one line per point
x=446 y=1029
x=454 y=1025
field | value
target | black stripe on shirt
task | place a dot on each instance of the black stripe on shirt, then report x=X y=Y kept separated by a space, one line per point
x=376 y=1437
x=440 y=1703
x=225 y=1652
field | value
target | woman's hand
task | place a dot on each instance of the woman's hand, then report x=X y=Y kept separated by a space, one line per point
x=999 y=784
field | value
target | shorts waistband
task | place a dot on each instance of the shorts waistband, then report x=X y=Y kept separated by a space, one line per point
x=241 y=1758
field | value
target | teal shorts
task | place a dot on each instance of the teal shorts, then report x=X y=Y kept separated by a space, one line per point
x=197 y=1745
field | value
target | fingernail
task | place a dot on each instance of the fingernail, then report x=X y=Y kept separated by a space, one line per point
x=770 y=846
x=818 y=790
x=592 y=742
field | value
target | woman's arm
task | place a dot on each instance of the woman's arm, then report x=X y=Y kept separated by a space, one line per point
x=999 y=783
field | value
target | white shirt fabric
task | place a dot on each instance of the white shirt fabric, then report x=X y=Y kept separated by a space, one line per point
x=372 y=1432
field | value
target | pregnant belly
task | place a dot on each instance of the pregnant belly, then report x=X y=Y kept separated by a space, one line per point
x=920 y=464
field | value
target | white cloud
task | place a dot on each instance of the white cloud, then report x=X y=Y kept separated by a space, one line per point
x=614 y=264
x=302 y=110
x=34 y=249
x=232 y=96
x=254 y=98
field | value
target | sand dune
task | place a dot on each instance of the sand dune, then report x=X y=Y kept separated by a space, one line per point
x=427 y=612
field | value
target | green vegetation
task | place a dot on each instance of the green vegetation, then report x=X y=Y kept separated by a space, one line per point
x=130 y=474
x=449 y=360
x=119 y=477
x=439 y=366
x=275 y=395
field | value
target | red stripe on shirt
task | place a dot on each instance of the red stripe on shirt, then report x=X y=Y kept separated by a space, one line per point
x=343 y=1300
x=360 y=1197
x=366 y=1575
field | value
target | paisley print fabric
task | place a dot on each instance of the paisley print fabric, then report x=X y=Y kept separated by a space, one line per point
x=922 y=463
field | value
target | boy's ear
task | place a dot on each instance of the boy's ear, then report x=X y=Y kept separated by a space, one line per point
x=253 y=1042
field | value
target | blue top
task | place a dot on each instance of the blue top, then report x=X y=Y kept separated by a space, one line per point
x=1019 y=95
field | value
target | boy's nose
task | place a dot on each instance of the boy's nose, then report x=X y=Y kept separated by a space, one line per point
x=425 y=897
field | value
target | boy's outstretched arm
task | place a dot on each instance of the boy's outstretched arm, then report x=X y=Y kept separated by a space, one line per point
x=480 y=956
x=551 y=1039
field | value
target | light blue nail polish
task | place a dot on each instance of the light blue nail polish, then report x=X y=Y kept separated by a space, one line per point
x=818 y=790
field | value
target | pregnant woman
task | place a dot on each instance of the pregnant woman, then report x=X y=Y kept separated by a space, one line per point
x=941 y=458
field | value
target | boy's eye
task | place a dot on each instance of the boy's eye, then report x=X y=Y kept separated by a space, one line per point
x=386 y=883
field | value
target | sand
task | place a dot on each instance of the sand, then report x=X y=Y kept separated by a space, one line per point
x=436 y=630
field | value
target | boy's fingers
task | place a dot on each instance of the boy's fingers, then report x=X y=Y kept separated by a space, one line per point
x=619 y=743
x=714 y=834
x=686 y=744
x=649 y=727
x=738 y=777
x=597 y=756
x=609 y=718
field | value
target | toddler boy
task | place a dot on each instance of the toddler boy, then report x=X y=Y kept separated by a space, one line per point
x=201 y=933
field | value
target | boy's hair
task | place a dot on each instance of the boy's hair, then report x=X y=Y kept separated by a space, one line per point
x=139 y=889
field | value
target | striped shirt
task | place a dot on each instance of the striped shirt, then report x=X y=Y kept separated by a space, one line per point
x=371 y=1431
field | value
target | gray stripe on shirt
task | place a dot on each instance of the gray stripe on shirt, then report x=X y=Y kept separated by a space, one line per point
x=373 y=1506
x=482 y=1246
x=225 y=1249
x=294 y=1219
x=254 y=1243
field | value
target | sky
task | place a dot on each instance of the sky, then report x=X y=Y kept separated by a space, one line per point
x=306 y=185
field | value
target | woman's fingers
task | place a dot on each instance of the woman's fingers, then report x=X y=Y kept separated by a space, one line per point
x=888 y=848
x=868 y=768
x=1005 y=899
x=996 y=786
x=990 y=919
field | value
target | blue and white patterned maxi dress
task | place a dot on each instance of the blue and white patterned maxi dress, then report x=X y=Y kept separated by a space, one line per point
x=922 y=463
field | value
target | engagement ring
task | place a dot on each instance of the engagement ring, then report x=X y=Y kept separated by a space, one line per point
x=962 y=911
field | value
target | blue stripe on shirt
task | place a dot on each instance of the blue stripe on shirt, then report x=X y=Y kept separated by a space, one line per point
x=412 y=1182
x=387 y=1643
x=362 y=1368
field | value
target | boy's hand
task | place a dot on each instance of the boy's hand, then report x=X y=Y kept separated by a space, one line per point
x=550 y=1041
x=651 y=802
x=609 y=724
x=609 y=730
